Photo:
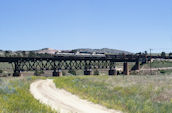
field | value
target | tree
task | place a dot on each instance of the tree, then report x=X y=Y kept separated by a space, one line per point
x=146 y=53
x=74 y=51
x=31 y=54
x=7 y=53
x=170 y=54
x=24 y=53
x=163 y=54
x=19 y=54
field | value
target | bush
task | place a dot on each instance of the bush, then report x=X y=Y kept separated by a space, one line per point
x=38 y=72
x=63 y=73
x=162 y=71
x=72 y=71
x=1 y=71
x=96 y=72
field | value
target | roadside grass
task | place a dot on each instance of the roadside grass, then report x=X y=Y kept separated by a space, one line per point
x=132 y=94
x=16 y=98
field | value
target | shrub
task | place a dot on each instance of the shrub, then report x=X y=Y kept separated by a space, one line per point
x=162 y=71
x=63 y=73
x=38 y=72
x=72 y=71
x=1 y=71
x=96 y=72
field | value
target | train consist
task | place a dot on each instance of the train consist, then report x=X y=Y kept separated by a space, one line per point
x=79 y=54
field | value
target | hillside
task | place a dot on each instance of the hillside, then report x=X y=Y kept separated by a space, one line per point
x=47 y=50
x=103 y=50
x=54 y=51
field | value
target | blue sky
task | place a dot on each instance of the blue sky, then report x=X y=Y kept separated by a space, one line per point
x=132 y=25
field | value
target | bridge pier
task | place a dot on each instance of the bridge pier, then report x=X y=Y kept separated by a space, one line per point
x=112 y=72
x=137 y=65
x=16 y=74
x=57 y=73
x=126 y=69
x=88 y=72
x=144 y=61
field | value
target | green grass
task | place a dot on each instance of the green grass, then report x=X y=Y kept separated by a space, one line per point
x=132 y=94
x=5 y=66
x=16 y=98
x=167 y=72
x=159 y=64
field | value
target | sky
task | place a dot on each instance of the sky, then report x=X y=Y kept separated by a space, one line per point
x=131 y=25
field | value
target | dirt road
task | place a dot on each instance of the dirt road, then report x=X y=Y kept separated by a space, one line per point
x=64 y=102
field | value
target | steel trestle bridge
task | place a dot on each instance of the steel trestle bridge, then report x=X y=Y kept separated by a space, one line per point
x=86 y=63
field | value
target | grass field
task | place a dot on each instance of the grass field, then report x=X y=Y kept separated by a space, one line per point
x=5 y=66
x=16 y=98
x=132 y=94
x=159 y=64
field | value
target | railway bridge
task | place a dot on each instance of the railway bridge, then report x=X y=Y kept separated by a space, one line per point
x=86 y=63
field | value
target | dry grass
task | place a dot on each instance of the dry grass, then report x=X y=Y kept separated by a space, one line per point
x=133 y=94
x=16 y=98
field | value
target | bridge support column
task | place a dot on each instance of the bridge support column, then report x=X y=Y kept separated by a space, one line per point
x=144 y=61
x=16 y=69
x=137 y=65
x=57 y=73
x=16 y=74
x=112 y=72
x=126 y=69
x=87 y=72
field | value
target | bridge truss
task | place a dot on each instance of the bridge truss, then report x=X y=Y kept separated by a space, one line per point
x=59 y=63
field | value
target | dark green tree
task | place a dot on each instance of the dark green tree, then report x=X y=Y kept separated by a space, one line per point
x=163 y=54
x=146 y=53
x=32 y=54
x=24 y=53
x=170 y=54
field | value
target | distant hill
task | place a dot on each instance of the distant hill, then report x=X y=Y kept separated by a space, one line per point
x=47 y=50
x=53 y=51
x=28 y=52
x=103 y=50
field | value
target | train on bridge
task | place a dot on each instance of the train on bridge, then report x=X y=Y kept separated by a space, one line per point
x=77 y=61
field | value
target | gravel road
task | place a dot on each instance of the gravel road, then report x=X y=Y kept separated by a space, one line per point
x=62 y=101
